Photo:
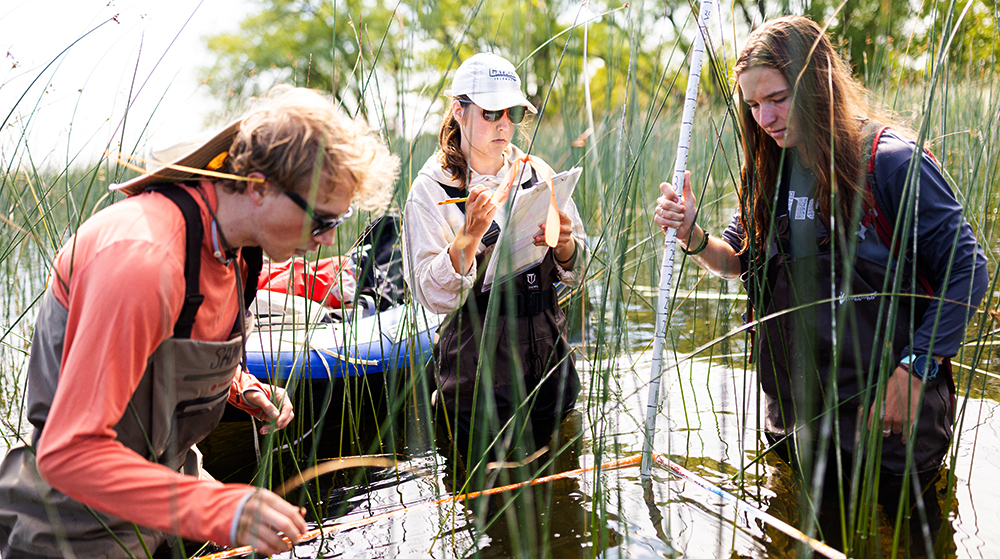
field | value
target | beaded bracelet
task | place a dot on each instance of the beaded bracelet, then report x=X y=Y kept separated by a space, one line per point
x=701 y=247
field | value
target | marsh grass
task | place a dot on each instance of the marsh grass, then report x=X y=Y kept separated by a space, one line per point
x=40 y=207
x=628 y=151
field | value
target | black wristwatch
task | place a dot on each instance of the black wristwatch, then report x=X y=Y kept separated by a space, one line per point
x=924 y=367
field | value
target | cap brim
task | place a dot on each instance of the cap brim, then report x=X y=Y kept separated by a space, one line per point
x=197 y=158
x=502 y=100
x=496 y=101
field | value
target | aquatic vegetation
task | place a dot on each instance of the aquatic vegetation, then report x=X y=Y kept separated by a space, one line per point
x=624 y=138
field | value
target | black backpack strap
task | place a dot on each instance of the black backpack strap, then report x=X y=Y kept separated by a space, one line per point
x=883 y=226
x=454 y=192
x=380 y=269
x=194 y=233
x=254 y=258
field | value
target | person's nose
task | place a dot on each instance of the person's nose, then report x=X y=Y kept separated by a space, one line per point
x=765 y=115
x=327 y=238
x=504 y=123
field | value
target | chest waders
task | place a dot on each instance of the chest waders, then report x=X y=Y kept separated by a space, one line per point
x=526 y=366
x=806 y=370
x=179 y=400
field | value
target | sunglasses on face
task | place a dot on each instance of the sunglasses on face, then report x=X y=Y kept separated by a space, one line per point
x=515 y=113
x=320 y=224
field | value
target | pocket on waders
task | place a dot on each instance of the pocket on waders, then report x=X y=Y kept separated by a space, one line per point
x=199 y=406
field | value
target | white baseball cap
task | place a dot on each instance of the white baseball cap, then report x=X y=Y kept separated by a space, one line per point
x=490 y=81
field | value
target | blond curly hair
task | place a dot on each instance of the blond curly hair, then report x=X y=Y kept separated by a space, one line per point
x=293 y=132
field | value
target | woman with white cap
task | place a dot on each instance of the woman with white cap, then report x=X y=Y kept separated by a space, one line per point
x=529 y=372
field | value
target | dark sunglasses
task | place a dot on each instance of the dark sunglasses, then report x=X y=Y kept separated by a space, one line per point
x=515 y=113
x=320 y=224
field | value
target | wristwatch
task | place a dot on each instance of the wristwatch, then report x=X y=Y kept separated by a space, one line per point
x=923 y=367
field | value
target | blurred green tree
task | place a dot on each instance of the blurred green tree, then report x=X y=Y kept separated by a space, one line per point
x=302 y=42
x=378 y=51
x=883 y=39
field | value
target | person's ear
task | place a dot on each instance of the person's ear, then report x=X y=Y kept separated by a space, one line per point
x=257 y=187
x=457 y=109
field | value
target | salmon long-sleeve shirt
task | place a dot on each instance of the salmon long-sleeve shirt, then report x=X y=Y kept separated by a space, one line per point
x=121 y=278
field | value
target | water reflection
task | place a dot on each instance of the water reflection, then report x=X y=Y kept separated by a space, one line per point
x=707 y=423
x=551 y=519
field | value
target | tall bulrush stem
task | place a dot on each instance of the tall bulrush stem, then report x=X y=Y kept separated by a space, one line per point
x=624 y=159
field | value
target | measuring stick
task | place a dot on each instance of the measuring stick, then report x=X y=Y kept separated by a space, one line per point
x=667 y=271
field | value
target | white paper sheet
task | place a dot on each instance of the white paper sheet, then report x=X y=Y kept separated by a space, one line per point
x=516 y=245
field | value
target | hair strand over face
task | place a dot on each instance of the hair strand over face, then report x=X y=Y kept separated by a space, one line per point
x=828 y=110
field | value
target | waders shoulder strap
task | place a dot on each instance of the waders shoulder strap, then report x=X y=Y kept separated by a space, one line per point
x=194 y=233
x=254 y=258
x=493 y=233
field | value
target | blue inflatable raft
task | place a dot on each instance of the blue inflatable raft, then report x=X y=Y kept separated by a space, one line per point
x=351 y=345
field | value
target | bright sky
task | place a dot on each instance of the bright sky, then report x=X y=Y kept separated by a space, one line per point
x=71 y=107
x=75 y=109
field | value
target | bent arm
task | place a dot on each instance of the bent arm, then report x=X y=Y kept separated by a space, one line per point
x=718 y=257
x=78 y=452
x=428 y=235
x=479 y=212
x=946 y=249
x=572 y=261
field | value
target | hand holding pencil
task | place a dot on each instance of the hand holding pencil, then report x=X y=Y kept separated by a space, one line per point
x=479 y=212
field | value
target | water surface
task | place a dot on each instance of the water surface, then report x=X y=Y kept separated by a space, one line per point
x=707 y=423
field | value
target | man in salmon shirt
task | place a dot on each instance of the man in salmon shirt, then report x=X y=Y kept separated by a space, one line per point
x=139 y=336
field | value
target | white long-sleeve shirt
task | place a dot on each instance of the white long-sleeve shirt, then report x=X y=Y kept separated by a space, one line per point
x=429 y=229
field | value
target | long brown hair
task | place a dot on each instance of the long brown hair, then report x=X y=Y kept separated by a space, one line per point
x=828 y=107
x=450 y=142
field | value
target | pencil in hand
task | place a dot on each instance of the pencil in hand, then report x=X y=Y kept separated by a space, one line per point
x=452 y=201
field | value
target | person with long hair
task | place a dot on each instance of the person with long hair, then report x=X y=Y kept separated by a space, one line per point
x=831 y=225
x=522 y=367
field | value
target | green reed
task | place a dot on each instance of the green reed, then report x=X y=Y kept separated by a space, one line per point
x=625 y=155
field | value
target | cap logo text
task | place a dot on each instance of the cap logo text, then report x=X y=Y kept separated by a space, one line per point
x=503 y=75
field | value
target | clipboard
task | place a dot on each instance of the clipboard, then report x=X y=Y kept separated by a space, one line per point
x=516 y=245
